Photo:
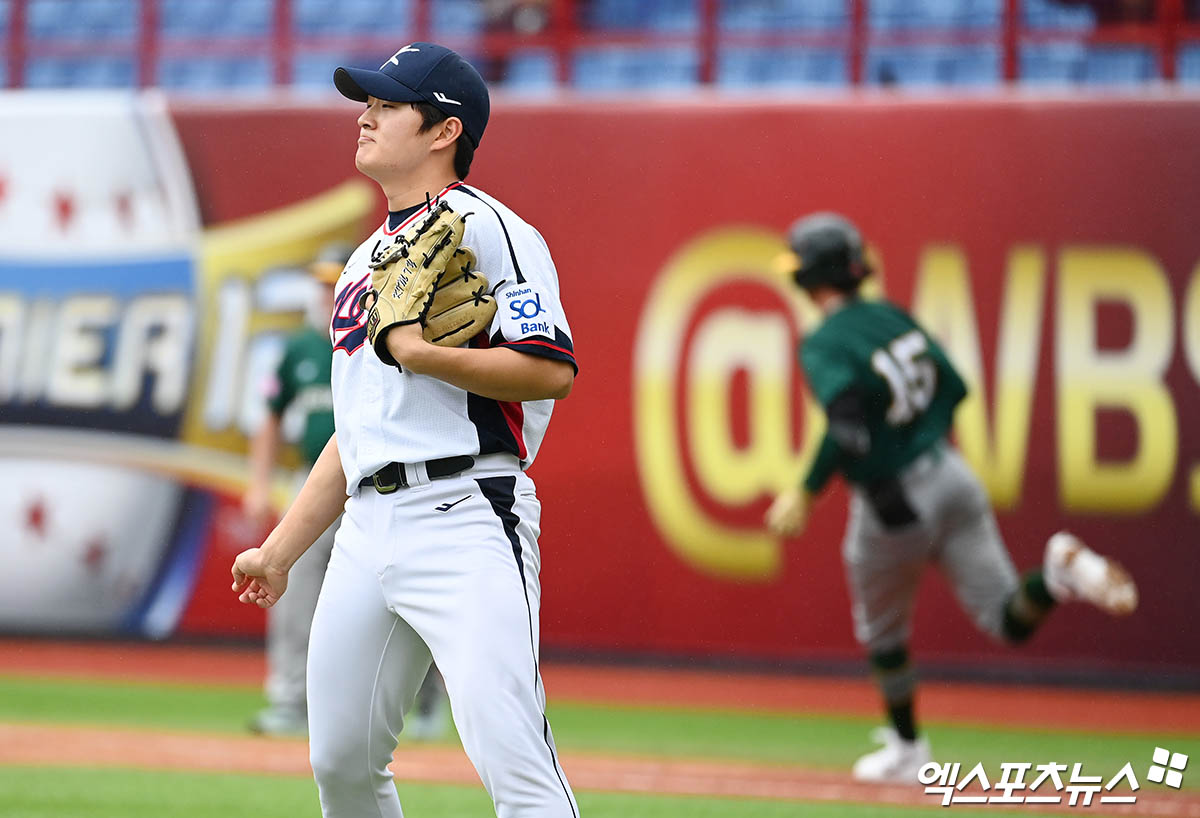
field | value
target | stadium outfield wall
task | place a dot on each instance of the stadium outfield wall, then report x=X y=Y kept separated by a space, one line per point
x=1051 y=243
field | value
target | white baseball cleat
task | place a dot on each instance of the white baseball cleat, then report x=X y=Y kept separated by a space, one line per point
x=898 y=760
x=1074 y=571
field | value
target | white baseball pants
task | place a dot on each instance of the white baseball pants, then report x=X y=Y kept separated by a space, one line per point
x=450 y=568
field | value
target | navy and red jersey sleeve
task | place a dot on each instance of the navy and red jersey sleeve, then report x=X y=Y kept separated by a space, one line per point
x=529 y=319
x=514 y=257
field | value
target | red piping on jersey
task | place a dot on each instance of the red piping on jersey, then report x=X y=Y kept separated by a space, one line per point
x=541 y=344
x=514 y=416
x=420 y=212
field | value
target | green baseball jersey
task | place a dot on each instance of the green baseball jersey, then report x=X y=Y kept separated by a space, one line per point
x=902 y=391
x=302 y=385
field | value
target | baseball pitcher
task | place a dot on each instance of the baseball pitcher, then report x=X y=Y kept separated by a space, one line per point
x=450 y=346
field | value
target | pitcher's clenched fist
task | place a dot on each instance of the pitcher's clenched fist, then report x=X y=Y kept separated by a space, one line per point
x=256 y=580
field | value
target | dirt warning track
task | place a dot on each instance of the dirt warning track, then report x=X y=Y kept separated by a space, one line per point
x=1018 y=706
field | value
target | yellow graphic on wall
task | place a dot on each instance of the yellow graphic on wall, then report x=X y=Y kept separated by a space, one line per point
x=672 y=384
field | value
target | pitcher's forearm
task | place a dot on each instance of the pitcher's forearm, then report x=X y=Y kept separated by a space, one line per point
x=500 y=374
x=315 y=508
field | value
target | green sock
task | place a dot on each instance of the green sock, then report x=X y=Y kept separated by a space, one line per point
x=902 y=719
x=897 y=682
x=1028 y=607
x=1034 y=585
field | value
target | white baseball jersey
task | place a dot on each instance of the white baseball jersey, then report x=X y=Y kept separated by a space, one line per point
x=383 y=414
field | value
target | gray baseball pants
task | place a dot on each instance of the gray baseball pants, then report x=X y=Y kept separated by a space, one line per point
x=955 y=530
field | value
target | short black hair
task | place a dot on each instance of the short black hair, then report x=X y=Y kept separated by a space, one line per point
x=464 y=150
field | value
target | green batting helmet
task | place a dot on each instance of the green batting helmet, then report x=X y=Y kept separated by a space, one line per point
x=827 y=249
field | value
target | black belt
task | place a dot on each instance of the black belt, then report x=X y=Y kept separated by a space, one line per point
x=890 y=502
x=393 y=476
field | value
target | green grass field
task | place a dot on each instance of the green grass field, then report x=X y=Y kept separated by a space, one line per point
x=823 y=742
x=27 y=792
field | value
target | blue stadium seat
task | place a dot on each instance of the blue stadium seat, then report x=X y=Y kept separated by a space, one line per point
x=1052 y=63
x=109 y=19
x=1058 y=63
x=983 y=13
x=90 y=20
x=613 y=14
x=46 y=73
x=938 y=65
x=215 y=73
x=184 y=19
x=938 y=13
x=313 y=70
x=456 y=18
x=337 y=17
x=976 y=66
x=317 y=17
x=887 y=15
x=670 y=16
x=106 y=72
x=673 y=16
x=776 y=15
x=531 y=70
x=80 y=72
x=1187 y=69
x=747 y=68
x=1048 y=14
x=382 y=16
x=893 y=15
x=250 y=18
x=611 y=69
x=189 y=19
x=1119 y=65
x=944 y=14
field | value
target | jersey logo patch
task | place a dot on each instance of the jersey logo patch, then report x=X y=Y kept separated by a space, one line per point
x=348 y=326
x=526 y=310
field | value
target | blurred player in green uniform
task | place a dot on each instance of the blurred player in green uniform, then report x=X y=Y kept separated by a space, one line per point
x=889 y=394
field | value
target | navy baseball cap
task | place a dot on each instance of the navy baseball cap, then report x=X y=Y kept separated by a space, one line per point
x=424 y=72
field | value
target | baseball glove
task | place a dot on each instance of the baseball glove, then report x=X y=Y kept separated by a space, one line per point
x=405 y=275
x=462 y=305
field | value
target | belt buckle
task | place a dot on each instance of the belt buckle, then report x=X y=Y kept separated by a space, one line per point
x=381 y=487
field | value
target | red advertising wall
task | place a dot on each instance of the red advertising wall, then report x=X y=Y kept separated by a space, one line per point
x=1051 y=243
